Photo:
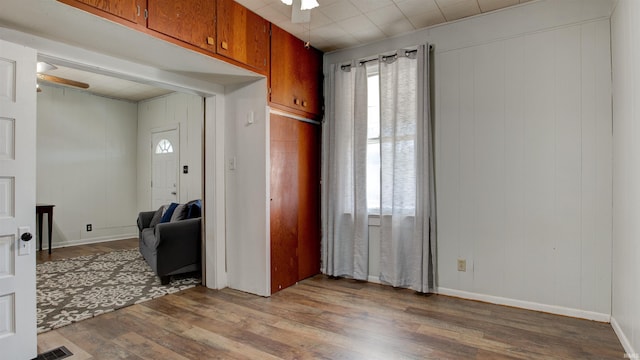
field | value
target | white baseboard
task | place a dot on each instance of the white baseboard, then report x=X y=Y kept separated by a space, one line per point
x=95 y=240
x=626 y=344
x=552 y=309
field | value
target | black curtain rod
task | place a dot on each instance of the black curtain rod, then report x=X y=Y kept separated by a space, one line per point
x=362 y=62
x=407 y=52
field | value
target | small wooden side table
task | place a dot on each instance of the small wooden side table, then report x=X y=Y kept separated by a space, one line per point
x=40 y=210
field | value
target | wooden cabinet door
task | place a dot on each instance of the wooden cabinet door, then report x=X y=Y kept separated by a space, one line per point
x=242 y=35
x=126 y=9
x=296 y=73
x=284 y=202
x=192 y=21
x=309 y=223
x=311 y=80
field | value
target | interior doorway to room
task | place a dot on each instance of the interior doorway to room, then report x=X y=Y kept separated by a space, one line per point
x=164 y=166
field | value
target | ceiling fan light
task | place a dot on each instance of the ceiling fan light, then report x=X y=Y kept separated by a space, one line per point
x=308 y=4
x=287 y=2
x=42 y=66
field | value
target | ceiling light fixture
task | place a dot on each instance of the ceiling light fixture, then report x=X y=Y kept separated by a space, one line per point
x=42 y=66
x=309 y=4
x=304 y=4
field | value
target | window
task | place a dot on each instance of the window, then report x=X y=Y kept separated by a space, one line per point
x=164 y=147
x=373 y=140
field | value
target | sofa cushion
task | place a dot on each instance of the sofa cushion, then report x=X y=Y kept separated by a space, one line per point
x=157 y=216
x=149 y=238
x=194 y=209
x=179 y=213
x=168 y=213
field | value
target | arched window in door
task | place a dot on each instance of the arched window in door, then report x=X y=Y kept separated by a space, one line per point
x=164 y=147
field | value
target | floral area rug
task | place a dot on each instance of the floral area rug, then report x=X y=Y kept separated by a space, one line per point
x=80 y=288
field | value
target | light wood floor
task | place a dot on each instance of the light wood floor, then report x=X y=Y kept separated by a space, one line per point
x=323 y=318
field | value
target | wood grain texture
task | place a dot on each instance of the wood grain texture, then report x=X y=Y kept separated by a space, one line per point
x=309 y=225
x=125 y=9
x=89 y=249
x=322 y=318
x=242 y=35
x=296 y=74
x=192 y=21
x=284 y=202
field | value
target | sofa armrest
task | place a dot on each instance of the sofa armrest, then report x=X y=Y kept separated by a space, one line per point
x=144 y=219
x=178 y=244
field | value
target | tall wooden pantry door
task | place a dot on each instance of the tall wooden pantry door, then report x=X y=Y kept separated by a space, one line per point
x=295 y=201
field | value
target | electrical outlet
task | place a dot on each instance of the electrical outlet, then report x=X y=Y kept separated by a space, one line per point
x=89 y=227
x=462 y=265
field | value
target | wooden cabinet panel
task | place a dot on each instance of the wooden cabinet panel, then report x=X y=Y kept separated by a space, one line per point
x=296 y=73
x=309 y=225
x=126 y=9
x=295 y=201
x=192 y=21
x=284 y=202
x=242 y=35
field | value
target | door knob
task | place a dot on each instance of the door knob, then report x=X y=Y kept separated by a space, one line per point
x=26 y=236
x=173 y=193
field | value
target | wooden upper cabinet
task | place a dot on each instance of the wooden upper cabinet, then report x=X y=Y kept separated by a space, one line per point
x=296 y=73
x=242 y=35
x=130 y=10
x=192 y=21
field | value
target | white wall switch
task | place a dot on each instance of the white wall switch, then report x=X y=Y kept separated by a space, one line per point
x=250 y=118
x=232 y=163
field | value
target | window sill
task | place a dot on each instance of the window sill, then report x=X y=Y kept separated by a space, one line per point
x=374 y=220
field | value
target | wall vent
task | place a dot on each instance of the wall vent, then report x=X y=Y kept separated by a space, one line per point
x=57 y=353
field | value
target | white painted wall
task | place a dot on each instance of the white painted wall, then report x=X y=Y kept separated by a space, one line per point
x=523 y=135
x=86 y=165
x=625 y=36
x=524 y=169
x=186 y=112
x=247 y=189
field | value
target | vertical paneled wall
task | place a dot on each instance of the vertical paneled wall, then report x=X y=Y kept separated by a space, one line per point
x=625 y=35
x=86 y=165
x=180 y=110
x=523 y=137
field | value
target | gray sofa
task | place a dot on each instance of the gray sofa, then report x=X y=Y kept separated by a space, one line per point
x=170 y=248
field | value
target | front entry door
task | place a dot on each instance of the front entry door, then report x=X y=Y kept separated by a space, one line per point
x=164 y=167
x=18 y=339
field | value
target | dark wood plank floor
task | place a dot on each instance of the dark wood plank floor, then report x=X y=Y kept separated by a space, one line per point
x=322 y=318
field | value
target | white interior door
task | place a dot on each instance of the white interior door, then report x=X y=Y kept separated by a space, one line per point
x=164 y=167
x=18 y=338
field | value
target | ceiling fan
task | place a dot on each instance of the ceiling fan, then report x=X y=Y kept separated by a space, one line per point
x=301 y=9
x=44 y=66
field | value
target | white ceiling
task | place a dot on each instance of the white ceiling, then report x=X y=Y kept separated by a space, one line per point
x=338 y=24
x=107 y=86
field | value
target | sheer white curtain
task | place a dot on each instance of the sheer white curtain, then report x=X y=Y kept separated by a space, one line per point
x=345 y=250
x=407 y=209
x=407 y=223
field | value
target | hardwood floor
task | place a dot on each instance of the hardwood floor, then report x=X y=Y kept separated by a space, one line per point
x=322 y=318
x=80 y=250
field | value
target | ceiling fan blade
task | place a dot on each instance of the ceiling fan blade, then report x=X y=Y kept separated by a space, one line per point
x=63 y=81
